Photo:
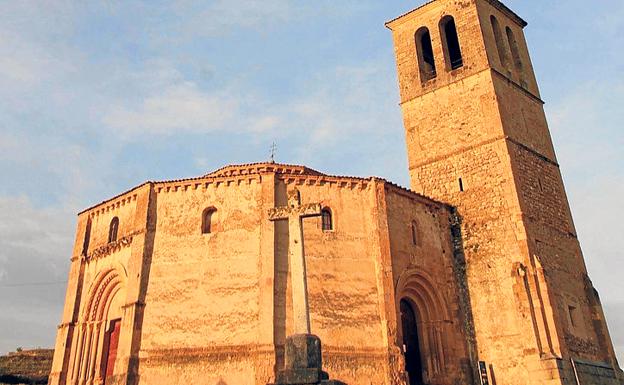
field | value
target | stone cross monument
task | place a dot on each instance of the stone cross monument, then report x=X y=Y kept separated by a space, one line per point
x=303 y=359
x=295 y=212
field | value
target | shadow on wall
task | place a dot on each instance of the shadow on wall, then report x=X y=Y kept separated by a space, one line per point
x=459 y=269
x=281 y=280
x=11 y=379
x=150 y=234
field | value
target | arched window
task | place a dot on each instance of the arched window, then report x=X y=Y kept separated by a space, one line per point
x=452 y=50
x=415 y=233
x=113 y=229
x=326 y=218
x=207 y=217
x=515 y=52
x=500 y=44
x=424 y=50
x=87 y=238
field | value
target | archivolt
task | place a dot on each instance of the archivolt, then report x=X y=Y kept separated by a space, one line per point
x=89 y=345
x=416 y=286
x=102 y=291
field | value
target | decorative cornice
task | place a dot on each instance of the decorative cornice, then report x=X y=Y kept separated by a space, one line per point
x=138 y=304
x=115 y=202
x=112 y=247
x=518 y=86
x=66 y=325
x=236 y=175
x=508 y=12
x=264 y=167
x=495 y=3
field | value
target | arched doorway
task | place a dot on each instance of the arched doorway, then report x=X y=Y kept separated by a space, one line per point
x=411 y=343
x=94 y=349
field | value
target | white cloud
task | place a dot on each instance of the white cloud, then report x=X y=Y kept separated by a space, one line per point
x=334 y=104
x=265 y=124
x=35 y=247
x=46 y=232
x=222 y=16
x=29 y=54
x=180 y=107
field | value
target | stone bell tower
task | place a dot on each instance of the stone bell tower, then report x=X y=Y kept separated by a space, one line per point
x=477 y=138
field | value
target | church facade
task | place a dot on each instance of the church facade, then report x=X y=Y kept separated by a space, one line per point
x=473 y=276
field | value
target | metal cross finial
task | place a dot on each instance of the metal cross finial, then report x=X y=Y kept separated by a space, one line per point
x=273 y=151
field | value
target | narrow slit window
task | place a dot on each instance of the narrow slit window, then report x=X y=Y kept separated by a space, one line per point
x=424 y=50
x=207 y=219
x=500 y=44
x=461 y=185
x=515 y=51
x=415 y=233
x=327 y=220
x=113 y=230
x=452 y=48
x=87 y=238
x=573 y=316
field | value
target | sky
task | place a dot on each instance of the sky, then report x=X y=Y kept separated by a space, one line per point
x=97 y=97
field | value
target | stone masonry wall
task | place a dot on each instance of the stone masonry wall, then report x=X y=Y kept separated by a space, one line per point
x=202 y=310
x=426 y=266
x=342 y=280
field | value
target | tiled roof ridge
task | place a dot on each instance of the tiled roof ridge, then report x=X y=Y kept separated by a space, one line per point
x=408 y=12
x=409 y=191
x=496 y=3
x=106 y=201
x=270 y=166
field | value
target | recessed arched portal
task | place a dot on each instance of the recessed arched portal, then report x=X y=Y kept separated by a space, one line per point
x=411 y=344
x=95 y=347
x=424 y=327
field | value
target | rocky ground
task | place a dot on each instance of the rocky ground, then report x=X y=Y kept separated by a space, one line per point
x=26 y=367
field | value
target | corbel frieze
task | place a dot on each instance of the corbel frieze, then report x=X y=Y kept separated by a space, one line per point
x=109 y=248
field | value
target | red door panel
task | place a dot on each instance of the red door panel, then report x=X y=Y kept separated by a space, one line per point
x=111 y=349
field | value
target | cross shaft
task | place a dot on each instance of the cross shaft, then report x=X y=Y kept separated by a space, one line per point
x=294 y=213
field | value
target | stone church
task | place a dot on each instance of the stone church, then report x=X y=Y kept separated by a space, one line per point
x=473 y=276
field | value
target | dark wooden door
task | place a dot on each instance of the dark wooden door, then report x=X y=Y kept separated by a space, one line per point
x=413 y=358
x=110 y=354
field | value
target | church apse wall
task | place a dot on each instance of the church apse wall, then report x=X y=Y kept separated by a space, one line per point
x=342 y=279
x=202 y=308
x=200 y=282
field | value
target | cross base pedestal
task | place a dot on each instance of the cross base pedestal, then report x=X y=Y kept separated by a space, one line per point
x=303 y=363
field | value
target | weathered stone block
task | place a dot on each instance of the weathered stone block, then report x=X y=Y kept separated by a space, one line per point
x=303 y=361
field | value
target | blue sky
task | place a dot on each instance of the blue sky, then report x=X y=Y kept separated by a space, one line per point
x=96 y=97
